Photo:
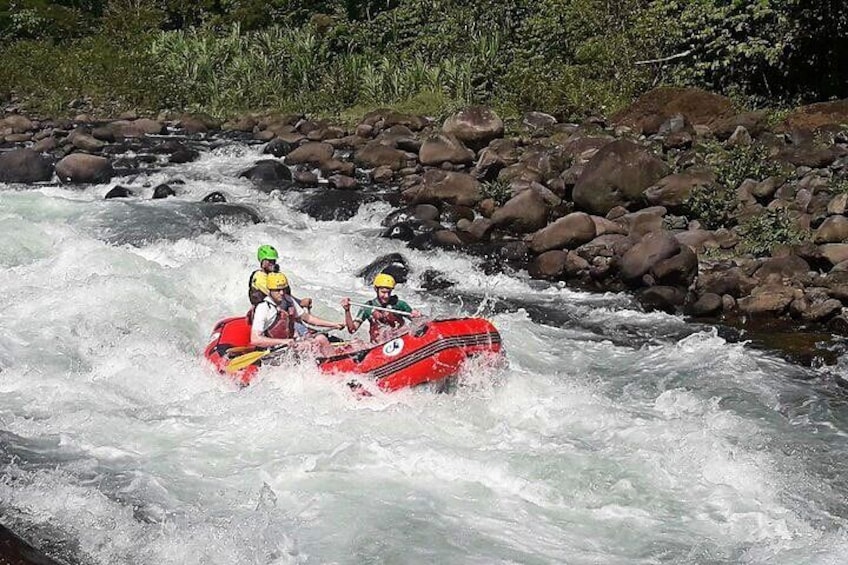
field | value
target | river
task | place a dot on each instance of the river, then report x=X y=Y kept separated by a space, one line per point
x=613 y=436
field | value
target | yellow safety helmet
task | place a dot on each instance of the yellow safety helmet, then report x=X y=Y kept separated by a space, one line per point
x=277 y=281
x=384 y=281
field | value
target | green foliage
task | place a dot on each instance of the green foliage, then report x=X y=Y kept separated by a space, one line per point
x=774 y=227
x=713 y=205
x=571 y=58
x=497 y=190
x=732 y=165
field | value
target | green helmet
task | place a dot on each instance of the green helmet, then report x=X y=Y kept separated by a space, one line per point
x=266 y=252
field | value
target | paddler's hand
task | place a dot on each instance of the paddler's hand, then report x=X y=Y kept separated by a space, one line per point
x=341 y=326
x=416 y=314
x=306 y=303
x=346 y=304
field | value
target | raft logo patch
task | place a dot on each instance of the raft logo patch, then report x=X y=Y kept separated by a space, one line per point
x=393 y=348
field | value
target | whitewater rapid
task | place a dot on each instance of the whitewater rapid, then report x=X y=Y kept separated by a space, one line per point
x=617 y=437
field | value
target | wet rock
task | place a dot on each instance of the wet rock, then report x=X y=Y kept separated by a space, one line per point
x=310 y=153
x=332 y=204
x=404 y=231
x=382 y=175
x=135 y=128
x=732 y=282
x=443 y=186
x=181 y=153
x=771 y=299
x=214 y=198
x=25 y=166
x=119 y=192
x=707 y=305
x=84 y=168
x=305 y=177
x=85 y=142
x=667 y=299
x=432 y=279
x=609 y=245
x=343 y=182
x=394 y=264
x=678 y=270
x=642 y=257
x=790 y=267
x=617 y=176
x=524 y=213
x=447 y=239
x=569 y=232
x=475 y=126
x=267 y=171
x=163 y=191
x=480 y=228
x=548 y=265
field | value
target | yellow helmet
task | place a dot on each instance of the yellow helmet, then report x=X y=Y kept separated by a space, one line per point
x=384 y=281
x=277 y=281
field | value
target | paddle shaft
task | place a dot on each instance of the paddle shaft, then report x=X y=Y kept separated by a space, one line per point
x=382 y=309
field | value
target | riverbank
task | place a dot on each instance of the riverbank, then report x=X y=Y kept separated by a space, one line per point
x=679 y=199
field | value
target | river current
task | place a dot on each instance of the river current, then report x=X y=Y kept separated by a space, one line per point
x=612 y=436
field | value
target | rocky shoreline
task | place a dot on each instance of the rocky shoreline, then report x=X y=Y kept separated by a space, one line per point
x=732 y=218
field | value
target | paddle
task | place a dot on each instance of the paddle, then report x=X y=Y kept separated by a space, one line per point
x=381 y=308
x=242 y=361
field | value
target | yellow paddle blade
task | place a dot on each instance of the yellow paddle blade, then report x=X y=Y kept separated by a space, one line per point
x=246 y=360
x=233 y=351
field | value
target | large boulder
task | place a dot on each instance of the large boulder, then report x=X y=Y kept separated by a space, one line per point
x=678 y=270
x=570 y=231
x=767 y=299
x=443 y=186
x=674 y=190
x=815 y=116
x=25 y=166
x=475 y=126
x=444 y=148
x=15 y=123
x=267 y=171
x=833 y=230
x=375 y=154
x=84 y=168
x=523 y=213
x=617 y=176
x=698 y=107
x=310 y=153
x=642 y=257
x=135 y=128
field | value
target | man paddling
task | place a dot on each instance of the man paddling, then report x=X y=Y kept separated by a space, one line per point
x=272 y=321
x=384 y=313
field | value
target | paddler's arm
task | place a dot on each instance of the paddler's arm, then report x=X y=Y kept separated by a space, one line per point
x=352 y=325
x=404 y=307
x=320 y=322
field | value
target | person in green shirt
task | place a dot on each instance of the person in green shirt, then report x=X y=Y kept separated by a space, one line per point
x=380 y=321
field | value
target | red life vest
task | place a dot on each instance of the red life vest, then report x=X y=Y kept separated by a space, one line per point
x=381 y=321
x=283 y=325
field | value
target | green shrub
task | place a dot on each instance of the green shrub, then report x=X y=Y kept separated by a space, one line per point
x=712 y=205
x=497 y=190
x=774 y=227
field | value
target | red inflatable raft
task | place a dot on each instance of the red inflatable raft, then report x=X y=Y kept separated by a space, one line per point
x=423 y=351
